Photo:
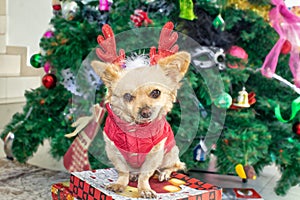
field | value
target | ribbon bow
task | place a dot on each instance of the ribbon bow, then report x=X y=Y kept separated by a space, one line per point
x=287 y=25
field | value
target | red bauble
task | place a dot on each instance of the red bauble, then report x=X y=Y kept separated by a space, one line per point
x=296 y=128
x=49 y=81
x=286 y=47
x=56 y=7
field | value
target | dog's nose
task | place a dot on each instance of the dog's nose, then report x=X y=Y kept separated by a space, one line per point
x=146 y=112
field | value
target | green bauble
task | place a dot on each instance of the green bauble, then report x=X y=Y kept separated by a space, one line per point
x=36 y=60
x=223 y=101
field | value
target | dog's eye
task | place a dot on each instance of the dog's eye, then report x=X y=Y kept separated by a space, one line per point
x=128 y=97
x=155 y=94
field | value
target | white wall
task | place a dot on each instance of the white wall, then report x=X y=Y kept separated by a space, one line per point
x=291 y=3
x=28 y=20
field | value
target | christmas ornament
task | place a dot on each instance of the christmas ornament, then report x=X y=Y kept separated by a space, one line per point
x=219 y=22
x=187 y=9
x=250 y=172
x=49 y=81
x=56 y=5
x=48 y=34
x=262 y=11
x=47 y=67
x=238 y=52
x=92 y=15
x=205 y=57
x=287 y=25
x=76 y=158
x=242 y=100
x=286 y=47
x=295 y=107
x=296 y=128
x=245 y=172
x=251 y=101
x=104 y=5
x=200 y=151
x=223 y=101
x=140 y=18
x=69 y=9
x=8 y=143
x=36 y=60
x=203 y=111
x=42 y=101
x=296 y=10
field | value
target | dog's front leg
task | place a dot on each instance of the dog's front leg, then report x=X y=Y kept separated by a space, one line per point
x=121 y=183
x=119 y=163
x=152 y=162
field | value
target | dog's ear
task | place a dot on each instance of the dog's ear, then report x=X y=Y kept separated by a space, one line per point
x=108 y=73
x=176 y=65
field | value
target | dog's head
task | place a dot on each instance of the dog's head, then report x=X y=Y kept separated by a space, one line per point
x=142 y=94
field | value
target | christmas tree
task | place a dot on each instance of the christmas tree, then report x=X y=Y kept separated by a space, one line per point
x=234 y=38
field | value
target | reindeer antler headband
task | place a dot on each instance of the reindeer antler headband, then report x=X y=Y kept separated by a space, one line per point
x=108 y=52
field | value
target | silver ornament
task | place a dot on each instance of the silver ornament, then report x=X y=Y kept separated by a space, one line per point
x=8 y=142
x=205 y=57
x=69 y=9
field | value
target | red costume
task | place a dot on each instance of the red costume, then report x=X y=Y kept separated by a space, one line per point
x=136 y=141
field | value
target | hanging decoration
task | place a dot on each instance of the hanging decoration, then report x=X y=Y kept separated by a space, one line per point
x=242 y=98
x=245 y=172
x=295 y=108
x=56 y=6
x=219 y=22
x=200 y=151
x=296 y=128
x=48 y=34
x=140 y=18
x=205 y=57
x=69 y=9
x=8 y=142
x=238 y=52
x=287 y=25
x=36 y=60
x=104 y=5
x=49 y=81
x=47 y=67
x=187 y=10
x=10 y=137
x=76 y=158
x=286 y=47
x=223 y=101
x=296 y=10
x=262 y=11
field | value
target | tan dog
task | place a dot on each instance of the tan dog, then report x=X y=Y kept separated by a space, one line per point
x=138 y=138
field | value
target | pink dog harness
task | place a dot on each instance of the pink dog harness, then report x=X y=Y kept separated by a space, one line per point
x=136 y=141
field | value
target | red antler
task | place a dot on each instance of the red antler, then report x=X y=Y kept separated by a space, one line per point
x=166 y=44
x=108 y=51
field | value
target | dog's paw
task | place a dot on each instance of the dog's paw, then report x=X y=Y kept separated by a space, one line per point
x=164 y=175
x=147 y=193
x=116 y=187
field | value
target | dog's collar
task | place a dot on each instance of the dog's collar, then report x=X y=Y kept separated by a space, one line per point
x=137 y=130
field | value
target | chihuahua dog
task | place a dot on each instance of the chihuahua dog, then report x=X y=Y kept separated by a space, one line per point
x=139 y=141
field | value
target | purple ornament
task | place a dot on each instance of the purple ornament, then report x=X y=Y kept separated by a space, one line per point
x=49 y=34
x=104 y=5
x=47 y=67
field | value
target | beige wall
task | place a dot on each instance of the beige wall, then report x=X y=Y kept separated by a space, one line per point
x=27 y=21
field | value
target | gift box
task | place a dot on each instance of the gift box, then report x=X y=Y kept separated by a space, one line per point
x=61 y=191
x=90 y=185
x=240 y=194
